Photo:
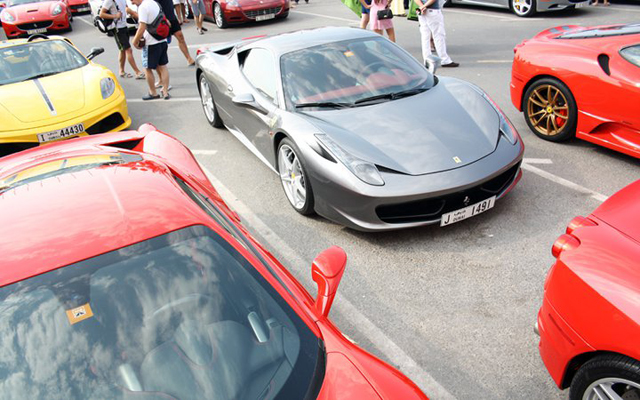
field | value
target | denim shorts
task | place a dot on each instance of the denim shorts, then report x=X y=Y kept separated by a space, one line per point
x=364 y=9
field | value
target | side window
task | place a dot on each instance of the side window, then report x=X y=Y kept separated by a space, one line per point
x=259 y=68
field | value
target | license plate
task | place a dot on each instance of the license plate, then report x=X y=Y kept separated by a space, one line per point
x=583 y=4
x=84 y=8
x=39 y=30
x=265 y=17
x=467 y=212
x=61 y=133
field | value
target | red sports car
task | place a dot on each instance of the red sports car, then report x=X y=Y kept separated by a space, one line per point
x=125 y=275
x=589 y=322
x=79 y=6
x=28 y=17
x=226 y=12
x=581 y=81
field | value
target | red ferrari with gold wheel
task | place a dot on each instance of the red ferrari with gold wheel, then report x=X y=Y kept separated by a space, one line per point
x=574 y=81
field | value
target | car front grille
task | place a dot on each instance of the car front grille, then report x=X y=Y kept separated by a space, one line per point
x=107 y=124
x=264 y=11
x=35 y=25
x=431 y=209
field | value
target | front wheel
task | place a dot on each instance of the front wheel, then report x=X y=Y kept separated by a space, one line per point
x=550 y=110
x=294 y=177
x=218 y=15
x=208 y=105
x=607 y=377
x=523 y=8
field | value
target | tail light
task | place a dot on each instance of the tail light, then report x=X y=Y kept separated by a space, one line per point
x=579 y=222
x=515 y=49
x=200 y=50
x=564 y=242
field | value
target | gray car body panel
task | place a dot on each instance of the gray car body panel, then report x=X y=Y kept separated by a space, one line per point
x=540 y=5
x=414 y=144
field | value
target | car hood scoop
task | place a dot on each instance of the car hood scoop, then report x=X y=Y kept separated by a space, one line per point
x=446 y=127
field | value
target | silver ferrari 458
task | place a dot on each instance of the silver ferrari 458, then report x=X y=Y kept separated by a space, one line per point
x=358 y=130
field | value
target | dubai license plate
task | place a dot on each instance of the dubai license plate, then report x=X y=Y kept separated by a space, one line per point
x=583 y=4
x=467 y=212
x=265 y=17
x=72 y=130
x=84 y=9
x=39 y=30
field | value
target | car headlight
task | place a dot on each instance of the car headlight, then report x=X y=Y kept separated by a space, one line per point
x=107 y=87
x=365 y=171
x=7 y=17
x=57 y=9
x=233 y=3
x=506 y=128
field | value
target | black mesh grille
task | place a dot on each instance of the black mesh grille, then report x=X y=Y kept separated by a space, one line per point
x=107 y=124
x=432 y=209
x=35 y=25
x=264 y=11
x=10 y=148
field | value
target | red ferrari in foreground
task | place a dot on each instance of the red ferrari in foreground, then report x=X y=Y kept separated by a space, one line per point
x=589 y=322
x=580 y=81
x=28 y=17
x=226 y=12
x=124 y=274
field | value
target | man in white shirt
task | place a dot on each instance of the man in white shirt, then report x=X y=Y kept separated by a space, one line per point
x=148 y=10
x=432 y=25
x=117 y=10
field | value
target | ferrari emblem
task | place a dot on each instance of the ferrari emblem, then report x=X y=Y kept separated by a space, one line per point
x=457 y=160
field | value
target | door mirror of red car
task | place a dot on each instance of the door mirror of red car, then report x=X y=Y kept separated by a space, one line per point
x=327 y=271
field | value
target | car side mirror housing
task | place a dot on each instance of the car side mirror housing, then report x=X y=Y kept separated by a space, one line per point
x=95 y=51
x=433 y=63
x=327 y=271
x=246 y=100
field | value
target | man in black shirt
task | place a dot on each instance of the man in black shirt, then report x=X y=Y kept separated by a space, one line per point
x=176 y=30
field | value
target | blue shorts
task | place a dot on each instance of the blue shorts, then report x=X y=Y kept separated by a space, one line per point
x=364 y=9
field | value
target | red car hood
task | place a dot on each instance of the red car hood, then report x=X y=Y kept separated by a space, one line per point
x=27 y=11
x=622 y=211
x=599 y=43
x=259 y=3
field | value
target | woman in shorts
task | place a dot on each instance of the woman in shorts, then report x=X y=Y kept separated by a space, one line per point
x=364 y=21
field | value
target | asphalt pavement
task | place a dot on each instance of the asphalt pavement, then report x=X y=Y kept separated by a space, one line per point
x=454 y=307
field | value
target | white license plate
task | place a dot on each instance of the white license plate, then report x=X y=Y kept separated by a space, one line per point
x=583 y=4
x=84 y=8
x=265 y=17
x=72 y=130
x=39 y=30
x=467 y=212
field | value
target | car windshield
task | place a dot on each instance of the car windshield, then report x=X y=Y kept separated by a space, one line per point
x=344 y=73
x=632 y=54
x=183 y=315
x=38 y=59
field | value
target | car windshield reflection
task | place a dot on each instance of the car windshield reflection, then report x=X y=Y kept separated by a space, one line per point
x=183 y=315
x=346 y=73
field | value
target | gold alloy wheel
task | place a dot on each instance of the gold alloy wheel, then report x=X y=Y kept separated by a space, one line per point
x=547 y=110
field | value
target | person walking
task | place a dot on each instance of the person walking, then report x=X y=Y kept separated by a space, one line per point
x=432 y=25
x=378 y=25
x=117 y=10
x=364 y=19
x=197 y=7
x=148 y=11
x=176 y=29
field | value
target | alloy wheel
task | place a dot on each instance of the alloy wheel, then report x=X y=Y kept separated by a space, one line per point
x=207 y=100
x=292 y=177
x=548 y=110
x=522 y=7
x=217 y=14
x=612 y=389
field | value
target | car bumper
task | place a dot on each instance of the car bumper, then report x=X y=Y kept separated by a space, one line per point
x=80 y=7
x=550 y=5
x=112 y=117
x=236 y=15
x=559 y=343
x=22 y=28
x=342 y=197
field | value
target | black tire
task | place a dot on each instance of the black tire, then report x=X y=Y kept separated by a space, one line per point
x=517 y=10
x=550 y=123
x=218 y=16
x=611 y=366
x=210 y=110
x=305 y=208
x=447 y=3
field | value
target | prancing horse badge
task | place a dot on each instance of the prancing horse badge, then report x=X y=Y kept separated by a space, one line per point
x=457 y=160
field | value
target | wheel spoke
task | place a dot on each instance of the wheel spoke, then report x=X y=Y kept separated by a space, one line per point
x=536 y=102
x=561 y=116
x=548 y=124
x=561 y=108
x=548 y=94
x=536 y=123
x=538 y=112
x=605 y=391
x=555 y=96
x=542 y=99
x=553 y=122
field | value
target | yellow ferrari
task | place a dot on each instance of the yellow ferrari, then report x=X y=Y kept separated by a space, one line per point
x=49 y=91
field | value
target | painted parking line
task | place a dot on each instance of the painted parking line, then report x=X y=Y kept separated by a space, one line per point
x=375 y=335
x=172 y=100
x=85 y=21
x=526 y=165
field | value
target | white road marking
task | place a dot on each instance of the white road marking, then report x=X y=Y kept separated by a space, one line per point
x=85 y=21
x=490 y=15
x=622 y=8
x=561 y=181
x=204 y=152
x=374 y=334
x=172 y=100
x=326 y=16
x=537 y=161
x=494 y=61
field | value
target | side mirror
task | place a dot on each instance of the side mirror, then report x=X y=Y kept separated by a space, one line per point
x=246 y=100
x=327 y=271
x=3 y=4
x=94 y=52
x=433 y=63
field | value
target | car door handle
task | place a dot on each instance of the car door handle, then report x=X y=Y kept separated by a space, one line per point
x=230 y=88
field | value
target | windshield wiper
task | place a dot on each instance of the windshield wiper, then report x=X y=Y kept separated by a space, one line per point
x=325 y=104
x=391 y=96
x=42 y=75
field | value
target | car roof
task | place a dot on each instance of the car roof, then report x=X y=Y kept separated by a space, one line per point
x=59 y=220
x=302 y=39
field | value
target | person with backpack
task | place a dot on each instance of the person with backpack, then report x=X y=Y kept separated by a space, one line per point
x=176 y=29
x=114 y=14
x=152 y=32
